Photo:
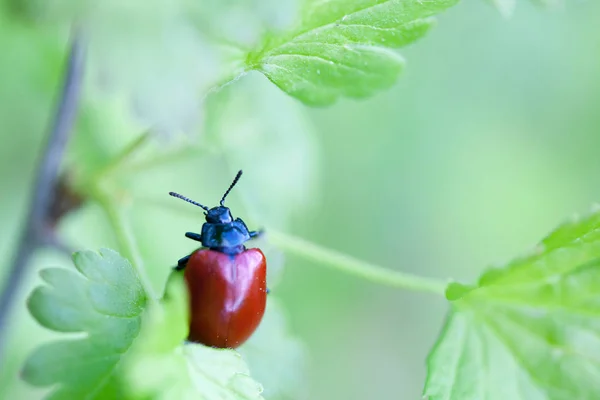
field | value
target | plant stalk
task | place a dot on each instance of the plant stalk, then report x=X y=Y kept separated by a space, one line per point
x=36 y=228
x=351 y=265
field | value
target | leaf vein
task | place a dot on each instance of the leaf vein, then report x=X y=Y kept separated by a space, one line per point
x=325 y=60
x=316 y=29
x=512 y=350
x=458 y=361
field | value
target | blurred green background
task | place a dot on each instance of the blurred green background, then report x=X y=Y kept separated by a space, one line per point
x=487 y=142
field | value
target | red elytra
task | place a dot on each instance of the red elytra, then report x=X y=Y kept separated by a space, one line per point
x=228 y=295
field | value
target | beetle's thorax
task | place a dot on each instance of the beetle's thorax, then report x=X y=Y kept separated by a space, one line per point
x=225 y=237
x=219 y=215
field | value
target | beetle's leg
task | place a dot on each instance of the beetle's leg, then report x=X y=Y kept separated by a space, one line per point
x=182 y=263
x=255 y=234
x=268 y=290
x=194 y=236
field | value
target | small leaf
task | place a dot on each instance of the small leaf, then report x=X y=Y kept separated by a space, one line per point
x=163 y=367
x=530 y=330
x=342 y=48
x=103 y=301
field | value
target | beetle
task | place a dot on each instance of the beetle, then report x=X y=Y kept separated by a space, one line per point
x=226 y=281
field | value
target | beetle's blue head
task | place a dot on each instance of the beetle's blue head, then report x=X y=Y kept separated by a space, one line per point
x=219 y=215
x=216 y=215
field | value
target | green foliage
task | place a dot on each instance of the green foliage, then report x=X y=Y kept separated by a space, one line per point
x=529 y=330
x=334 y=48
x=162 y=367
x=342 y=48
x=116 y=358
x=104 y=301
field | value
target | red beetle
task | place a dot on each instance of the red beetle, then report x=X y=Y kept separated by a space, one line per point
x=227 y=282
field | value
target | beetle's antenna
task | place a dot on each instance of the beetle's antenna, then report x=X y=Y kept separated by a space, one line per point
x=188 y=200
x=235 y=180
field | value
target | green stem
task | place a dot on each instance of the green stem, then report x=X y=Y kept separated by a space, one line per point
x=354 y=266
x=234 y=77
x=125 y=240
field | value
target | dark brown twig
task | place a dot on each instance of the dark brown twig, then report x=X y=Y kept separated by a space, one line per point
x=36 y=229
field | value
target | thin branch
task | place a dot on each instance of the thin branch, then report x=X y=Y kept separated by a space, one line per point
x=36 y=228
x=234 y=77
x=353 y=266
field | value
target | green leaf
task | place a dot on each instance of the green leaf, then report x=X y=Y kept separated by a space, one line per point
x=530 y=330
x=163 y=367
x=343 y=47
x=103 y=302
